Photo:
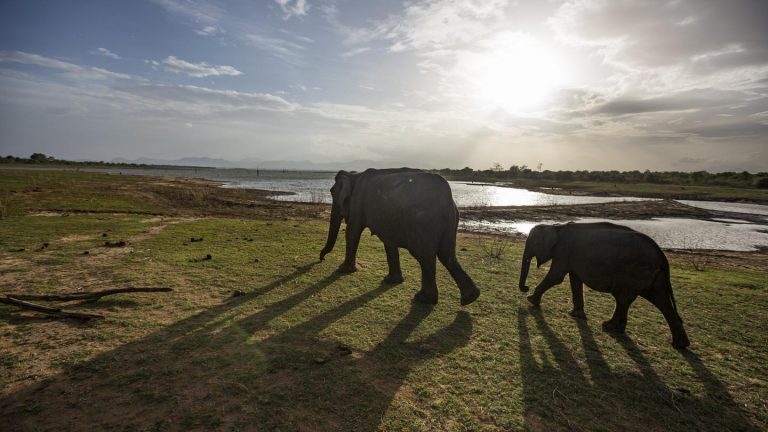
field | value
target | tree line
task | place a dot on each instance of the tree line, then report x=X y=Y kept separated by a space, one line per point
x=42 y=158
x=497 y=173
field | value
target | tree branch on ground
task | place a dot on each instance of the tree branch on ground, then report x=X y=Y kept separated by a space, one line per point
x=19 y=301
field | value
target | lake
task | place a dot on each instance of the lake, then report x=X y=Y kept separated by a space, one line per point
x=731 y=233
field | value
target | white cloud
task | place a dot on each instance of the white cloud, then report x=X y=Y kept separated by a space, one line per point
x=198 y=100
x=197 y=70
x=199 y=11
x=443 y=24
x=293 y=8
x=289 y=52
x=354 y=52
x=71 y=70
x=106 y=53
x=208 y=30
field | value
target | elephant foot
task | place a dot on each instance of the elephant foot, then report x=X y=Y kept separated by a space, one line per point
x=681 y=342
x=536 y=301
x=612 y=327
x=578 y=314
x=471 y=296
x=393 y=279
x=422 y=297
x=345 y=268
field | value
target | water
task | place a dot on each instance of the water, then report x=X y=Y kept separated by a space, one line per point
x=669 y=233
x=465 y=194
x=729 y=207
x=728 y=233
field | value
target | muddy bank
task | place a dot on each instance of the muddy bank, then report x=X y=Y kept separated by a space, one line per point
x=615 y=210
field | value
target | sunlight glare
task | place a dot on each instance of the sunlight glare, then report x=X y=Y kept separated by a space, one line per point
x=514 y=73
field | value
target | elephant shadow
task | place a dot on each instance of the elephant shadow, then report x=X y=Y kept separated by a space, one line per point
x=221 y=369
x=560 y=392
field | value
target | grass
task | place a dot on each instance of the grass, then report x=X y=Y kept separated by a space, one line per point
x=306 y=348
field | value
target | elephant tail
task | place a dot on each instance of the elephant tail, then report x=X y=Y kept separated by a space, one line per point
x=664 y=280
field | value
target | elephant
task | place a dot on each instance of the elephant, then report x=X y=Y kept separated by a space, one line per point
x=406 y=208
x=608 y=258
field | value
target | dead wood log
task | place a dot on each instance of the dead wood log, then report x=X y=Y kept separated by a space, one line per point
x=48 y=310
x=91 y=295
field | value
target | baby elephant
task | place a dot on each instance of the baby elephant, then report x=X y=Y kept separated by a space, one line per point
x=608 y=258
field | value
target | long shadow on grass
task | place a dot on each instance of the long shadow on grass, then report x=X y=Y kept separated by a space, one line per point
x=223 y=369
x=559 y=393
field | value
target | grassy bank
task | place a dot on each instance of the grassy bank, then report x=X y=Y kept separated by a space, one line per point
x=308 y=349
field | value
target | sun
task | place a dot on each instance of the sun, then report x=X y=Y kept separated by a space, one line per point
x=514 y=73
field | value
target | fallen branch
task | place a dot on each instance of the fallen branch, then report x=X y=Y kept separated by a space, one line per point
x=93 y=295
x=48 y=310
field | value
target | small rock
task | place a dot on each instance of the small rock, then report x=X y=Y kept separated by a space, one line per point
x=238 y=293
x=322 y=359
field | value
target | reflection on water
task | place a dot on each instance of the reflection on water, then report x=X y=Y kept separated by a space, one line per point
x=669 y=233
x=465 y=194
x=728 y=207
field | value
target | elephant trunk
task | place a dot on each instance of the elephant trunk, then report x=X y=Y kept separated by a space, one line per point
x=525 y=265
x=333 y=231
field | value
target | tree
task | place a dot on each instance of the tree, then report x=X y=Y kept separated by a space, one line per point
x=40 y=157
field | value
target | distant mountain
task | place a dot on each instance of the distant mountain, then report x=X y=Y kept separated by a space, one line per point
x=356 y=165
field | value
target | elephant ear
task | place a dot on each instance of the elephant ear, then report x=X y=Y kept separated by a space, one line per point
x=547 y=239
x=343 y=190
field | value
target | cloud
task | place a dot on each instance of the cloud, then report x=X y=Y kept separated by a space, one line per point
x=289 y=52
x=199 y=11
x=208 y=30
x=293 y=8
x=194 y=99
x=71 y=70
x=443 y=24
x=696 y=36
x=197 y=70
x=730 y=130
x=689 y=100
x=354 y=52
x=106 y=53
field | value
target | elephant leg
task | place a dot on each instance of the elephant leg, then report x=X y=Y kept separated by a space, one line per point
x=428 y=293
x=553 y=277
x=467 y=287
x=577 y=292
x=664 y=304
x=618 y=322
x=353 y=240
x=395 y=275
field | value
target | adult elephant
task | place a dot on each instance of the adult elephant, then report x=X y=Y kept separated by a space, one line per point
x=608 y=258
x=405 y=208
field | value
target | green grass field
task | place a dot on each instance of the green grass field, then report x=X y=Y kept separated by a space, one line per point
x=309 y=349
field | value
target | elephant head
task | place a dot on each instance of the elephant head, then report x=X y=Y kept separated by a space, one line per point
x=540 y=244
x=341 y=192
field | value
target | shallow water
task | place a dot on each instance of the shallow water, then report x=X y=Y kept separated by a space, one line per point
x=465 y=194
x=729 y=206
x=669 y=233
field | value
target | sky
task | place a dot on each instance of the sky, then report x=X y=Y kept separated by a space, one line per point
x=562 y=85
